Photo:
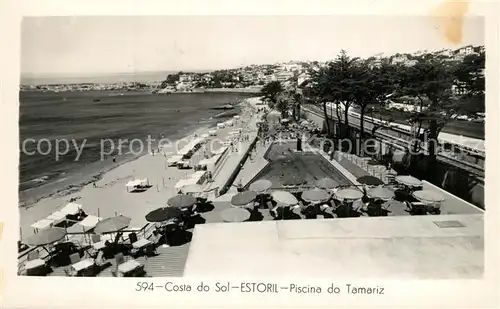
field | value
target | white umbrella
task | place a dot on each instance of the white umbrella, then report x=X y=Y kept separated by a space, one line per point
x=284 y=198
x=409 y=181
x=349 y=194
x=428 y=196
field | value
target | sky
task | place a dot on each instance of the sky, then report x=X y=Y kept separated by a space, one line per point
x=99 y=45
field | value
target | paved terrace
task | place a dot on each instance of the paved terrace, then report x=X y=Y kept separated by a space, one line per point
x=413 y=247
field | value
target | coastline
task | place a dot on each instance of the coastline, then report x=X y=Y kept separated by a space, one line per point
x=81 y=178
x=110 y=195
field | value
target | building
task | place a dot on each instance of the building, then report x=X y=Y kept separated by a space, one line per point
x=185 y=78
x=403 y=59
x=283 y=76
x=303 y=78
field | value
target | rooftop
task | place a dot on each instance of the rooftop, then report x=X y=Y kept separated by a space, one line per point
x=420 y=247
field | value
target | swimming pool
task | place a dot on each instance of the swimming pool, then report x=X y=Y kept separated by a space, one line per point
x=299 y=169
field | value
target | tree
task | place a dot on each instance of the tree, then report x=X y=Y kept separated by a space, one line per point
x=336 y=83
x=373 y=82
x=470 y=82
x=271 y=91
x=430 y=80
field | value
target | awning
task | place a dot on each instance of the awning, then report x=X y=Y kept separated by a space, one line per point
x=56 y=216
x=90 y=222
x=71 y=209
x=42 y=224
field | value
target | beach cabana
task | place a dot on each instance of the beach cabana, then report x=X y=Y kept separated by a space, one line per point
x=136 y=183
x=192 y=188
x=163 y=214
x=212 y=132
x=172 y=161
x=181 y=183
x=42 y=224
x=57 y=216
x=220 y=150
x=198 y=177
x=71 y=209
x=221 y=125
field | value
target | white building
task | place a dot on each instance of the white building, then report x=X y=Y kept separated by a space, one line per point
x=185 y=78
x=302 y=78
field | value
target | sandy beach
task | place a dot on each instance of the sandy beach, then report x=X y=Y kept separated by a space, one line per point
x=110 y=196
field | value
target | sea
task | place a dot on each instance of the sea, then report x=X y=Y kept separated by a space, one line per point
x=95 y=117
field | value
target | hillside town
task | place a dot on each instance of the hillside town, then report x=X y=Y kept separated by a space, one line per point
x=290 y=74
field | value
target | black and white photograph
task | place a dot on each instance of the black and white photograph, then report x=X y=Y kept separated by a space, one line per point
x=252 y=146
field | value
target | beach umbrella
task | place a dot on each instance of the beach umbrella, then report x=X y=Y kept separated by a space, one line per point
x=46 y=237
x=326 y=183
x=428 y=196
x=408 y=181
x=370 y=180
x=235 y=215
x=380 y=193
x=260 y=186
x=315 y=195
x=111 y=225
x=284 y=198
x=349 y=194
x=163 y=214
x=182 y=201
x=243 y=198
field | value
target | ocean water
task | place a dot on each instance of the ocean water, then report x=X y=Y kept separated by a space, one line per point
x=92 y=117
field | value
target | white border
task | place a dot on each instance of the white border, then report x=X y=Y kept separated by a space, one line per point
x=67 y=292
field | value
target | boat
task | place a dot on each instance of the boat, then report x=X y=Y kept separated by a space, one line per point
x=224 y=107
